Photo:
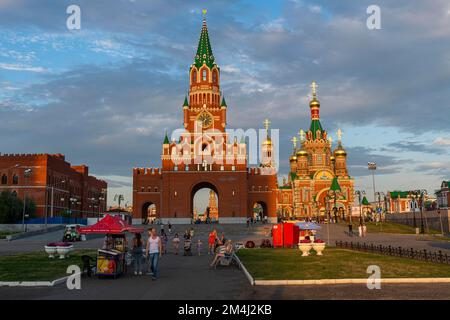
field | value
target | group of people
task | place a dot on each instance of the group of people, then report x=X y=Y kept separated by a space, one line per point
x=146 y=255
x=151 y=252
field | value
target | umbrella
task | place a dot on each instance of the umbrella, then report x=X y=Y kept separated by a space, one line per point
x=308 y=226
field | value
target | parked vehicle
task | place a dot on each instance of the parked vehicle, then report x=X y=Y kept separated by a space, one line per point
x=71 y=233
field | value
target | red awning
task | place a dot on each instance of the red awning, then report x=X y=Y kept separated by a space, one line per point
x=110 y=225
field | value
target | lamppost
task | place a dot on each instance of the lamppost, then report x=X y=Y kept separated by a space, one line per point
x=420 y=194
x=327 y=208
x=372 y=166
x=26 y=175
x=119 y=198
x=360 y=194
x=379 y=208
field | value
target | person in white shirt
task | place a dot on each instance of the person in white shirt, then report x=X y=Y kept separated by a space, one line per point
x=153 y=251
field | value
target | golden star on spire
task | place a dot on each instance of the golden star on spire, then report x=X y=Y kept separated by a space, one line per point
x=204 y=11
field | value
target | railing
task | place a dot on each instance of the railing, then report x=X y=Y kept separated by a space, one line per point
x=422 y=255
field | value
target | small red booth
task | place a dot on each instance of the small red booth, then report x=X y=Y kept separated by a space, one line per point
x=111 y=258
x=285 y=235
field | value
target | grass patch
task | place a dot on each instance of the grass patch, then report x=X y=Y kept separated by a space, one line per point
x=390 y=227
x=37 y=266
x=3 y=234
x=287 y=264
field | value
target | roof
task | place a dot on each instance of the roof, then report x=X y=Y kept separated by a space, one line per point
x=335 y=185
x=223 y=103
x=315 y=125
x=204 y=51
x=185 y=103
x=397 y=194
x=293 y=176
x=166 y=139
x=285 y=187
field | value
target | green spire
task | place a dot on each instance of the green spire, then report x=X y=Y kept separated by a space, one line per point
x=335 y=185
x=223 y=103
x=365 y=202
x=204 y=51
x=185 y=103
x=166 y=139
x=315 y=125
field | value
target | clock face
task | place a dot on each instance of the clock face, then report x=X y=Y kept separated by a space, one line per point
x=206 y=119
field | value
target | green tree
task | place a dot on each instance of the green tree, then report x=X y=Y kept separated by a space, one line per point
x=11 y=207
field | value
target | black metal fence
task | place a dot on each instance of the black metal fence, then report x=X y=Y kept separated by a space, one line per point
x=422 y=255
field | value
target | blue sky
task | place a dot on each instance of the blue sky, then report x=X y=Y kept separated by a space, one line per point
x=104 y=95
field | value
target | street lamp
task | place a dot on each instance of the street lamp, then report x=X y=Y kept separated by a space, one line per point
x=26 y=174
x=372 y=166
x=379 y=207
x=420 y=194
x=360 y=194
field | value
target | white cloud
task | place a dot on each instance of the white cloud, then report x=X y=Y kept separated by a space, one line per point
x=21 y=67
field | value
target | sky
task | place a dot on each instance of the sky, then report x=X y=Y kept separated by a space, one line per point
x=104 y=95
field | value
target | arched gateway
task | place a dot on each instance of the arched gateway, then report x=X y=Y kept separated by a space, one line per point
x=205 y=155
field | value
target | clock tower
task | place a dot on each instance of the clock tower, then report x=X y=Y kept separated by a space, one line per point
x=205 y=107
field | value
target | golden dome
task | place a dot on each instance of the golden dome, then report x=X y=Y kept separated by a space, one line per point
x=267 y=142
x=340 y=151
x=314 y=103
x=302 y=153
x=293 y=158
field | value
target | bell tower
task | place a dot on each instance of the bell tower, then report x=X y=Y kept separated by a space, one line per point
x=205 y=105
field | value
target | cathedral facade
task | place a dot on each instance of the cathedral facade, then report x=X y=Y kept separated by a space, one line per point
x=204 y=156
x=318 y=183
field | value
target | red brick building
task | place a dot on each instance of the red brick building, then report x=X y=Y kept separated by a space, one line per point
x=53 y=184
x=203 y=157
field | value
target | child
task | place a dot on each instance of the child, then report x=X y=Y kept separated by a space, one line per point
x=176 y=243
x=199 y=247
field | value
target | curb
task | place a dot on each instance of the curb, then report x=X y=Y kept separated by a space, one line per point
x=347 y=281
x=244 y=269
x=37 y=283
x=22 y=235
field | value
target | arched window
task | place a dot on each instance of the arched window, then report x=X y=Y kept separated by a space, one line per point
x=15 y=179
x=194 y=76
x=4 y=179
x=204 y=75
x=214 y=76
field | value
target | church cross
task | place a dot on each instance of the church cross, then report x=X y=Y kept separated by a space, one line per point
x=294 y=141
x=301 y=133
x=314 y=88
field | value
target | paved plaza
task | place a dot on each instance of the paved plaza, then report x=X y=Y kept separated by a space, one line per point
x=190 y=277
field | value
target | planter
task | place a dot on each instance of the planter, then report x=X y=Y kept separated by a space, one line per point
x=305 y=248
x=51 y=251
x=318 y=247
x=63 y=251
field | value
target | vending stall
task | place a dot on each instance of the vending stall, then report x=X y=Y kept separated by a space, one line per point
x=111 y=257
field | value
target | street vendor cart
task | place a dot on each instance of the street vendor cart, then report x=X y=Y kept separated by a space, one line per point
x=111 y=258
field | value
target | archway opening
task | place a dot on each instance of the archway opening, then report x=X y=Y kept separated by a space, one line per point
x=149 y=213
x=260 y=211
x=205 y=203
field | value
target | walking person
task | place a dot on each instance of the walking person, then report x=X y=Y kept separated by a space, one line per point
x=360 y=230
x=164 y=240
x=350 y=229
x=137 y=253
x=211 y=241
x=364 y=230
x=153 y=251
x=199 y=247
x=170 y=227
x=176 y=243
